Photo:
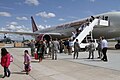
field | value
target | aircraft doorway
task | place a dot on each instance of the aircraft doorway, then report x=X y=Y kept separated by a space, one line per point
x=47 y=38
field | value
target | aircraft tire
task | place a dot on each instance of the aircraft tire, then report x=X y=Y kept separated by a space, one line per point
x=117 y=46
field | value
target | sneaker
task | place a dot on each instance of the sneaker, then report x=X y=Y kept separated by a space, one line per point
x=8 y=75
x=98 y=57
x=92 y=58
x=88 y=58
x=27 y=73
x=3 y=76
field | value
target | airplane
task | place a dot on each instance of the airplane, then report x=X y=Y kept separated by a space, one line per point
x=65 y=30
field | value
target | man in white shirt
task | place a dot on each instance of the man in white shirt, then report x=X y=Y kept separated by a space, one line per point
x=104 y=46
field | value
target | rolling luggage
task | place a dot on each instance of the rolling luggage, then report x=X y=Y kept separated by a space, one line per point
x=36 y=56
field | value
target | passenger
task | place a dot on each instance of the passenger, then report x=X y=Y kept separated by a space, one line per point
x=70 y=47
x=40 y=50
x=99 y=17
x=103 y=17
x=45 y=48
x=50 y=48
x=91 y=49
x=56 y=47
x=32 y=46
x=82 y=27
x=92 y=18
x=66 y=46
x=73 y=35
x=5 y=62
x=77 y=32
x=99 y=48
x=61 y=46
x=106 y=18
x=76 y=49
x=104 y=45
x=27 y=62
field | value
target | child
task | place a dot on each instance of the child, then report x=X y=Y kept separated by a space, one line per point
x=27 y=61
x=5 y=62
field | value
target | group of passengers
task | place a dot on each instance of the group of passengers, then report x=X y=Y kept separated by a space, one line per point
x=50 y=49
x=85 y=24
x=82 y=27
x=47 y=48
x=91 y=46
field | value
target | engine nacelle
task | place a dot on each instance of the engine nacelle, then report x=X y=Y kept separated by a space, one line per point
x=43 y=37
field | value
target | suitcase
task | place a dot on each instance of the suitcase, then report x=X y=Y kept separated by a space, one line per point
x=36 y=56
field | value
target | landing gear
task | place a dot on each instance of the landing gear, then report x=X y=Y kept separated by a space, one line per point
x=117 y=46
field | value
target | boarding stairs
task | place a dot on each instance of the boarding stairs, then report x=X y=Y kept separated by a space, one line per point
x=87 y=32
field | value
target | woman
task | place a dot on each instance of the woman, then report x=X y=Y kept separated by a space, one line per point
x=40 y=50
x=5 y=62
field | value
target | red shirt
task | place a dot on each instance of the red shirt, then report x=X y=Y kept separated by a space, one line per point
x=5 y=60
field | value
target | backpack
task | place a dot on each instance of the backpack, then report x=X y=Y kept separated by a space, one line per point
x=11 y=58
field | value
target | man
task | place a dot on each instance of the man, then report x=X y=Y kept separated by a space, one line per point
x=32 y=46
x=91 y=48
x=99 y=48
x=56 y=47
x=104 y=46
x=76 y=49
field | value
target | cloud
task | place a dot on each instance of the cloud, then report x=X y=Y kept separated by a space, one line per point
x=113 y=10
x=45 y=21
x=32 y=2
x=21 y=18
x=61 y=19
x=59 y=7
x=14 y=23
x=46 y=15
x=3 y=7
x=73 y=0
x=14 y=26
x=6 y=14
x=92 y=0
x=43 y=27
x=72 y=17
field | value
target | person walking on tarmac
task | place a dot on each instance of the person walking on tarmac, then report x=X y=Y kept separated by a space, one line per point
x=99 y=48
x=91 y=49
x=40 y=50
x=5 y=62
x=76 y=49
x=104 y=46
x=55 y=49
x=27 y=62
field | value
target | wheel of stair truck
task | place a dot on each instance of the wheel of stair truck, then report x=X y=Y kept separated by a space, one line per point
x=117 y=46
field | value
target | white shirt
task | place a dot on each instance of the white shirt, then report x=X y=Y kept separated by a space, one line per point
x=104 y=44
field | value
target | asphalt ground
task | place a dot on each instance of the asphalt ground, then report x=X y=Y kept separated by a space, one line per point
x=65 y=67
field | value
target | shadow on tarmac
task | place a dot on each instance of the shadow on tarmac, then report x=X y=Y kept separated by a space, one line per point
x=22 y=72
x=1 y=75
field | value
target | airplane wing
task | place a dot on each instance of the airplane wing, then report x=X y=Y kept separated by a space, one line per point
x=28 y=33
x=21 y=33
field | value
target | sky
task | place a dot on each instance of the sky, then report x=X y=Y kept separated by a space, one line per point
x=15 y=14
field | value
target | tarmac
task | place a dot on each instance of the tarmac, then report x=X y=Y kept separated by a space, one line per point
x=65 y=67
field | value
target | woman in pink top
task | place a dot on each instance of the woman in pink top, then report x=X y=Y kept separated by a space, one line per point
x=5 y=62
x=27 y=61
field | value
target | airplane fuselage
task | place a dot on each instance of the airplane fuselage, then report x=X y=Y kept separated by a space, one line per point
x=111 y=31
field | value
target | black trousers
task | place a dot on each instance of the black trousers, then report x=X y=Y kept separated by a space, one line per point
x=6 y=72
x=104 y=50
